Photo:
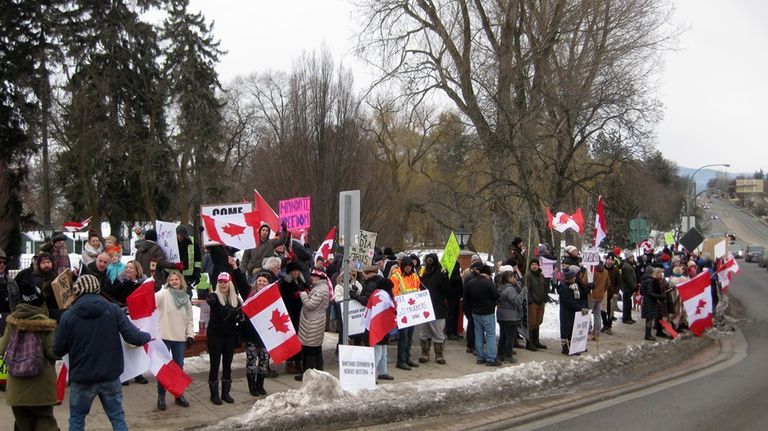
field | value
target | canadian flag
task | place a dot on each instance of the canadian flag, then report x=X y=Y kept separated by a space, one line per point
x=240 y=231
x=74 y=226
x=326 y=247
x=562 y=221
x=600 y=228
x=646 y=246
x=266 y=213
x=268 y=315
x=726 y=271
x=143 y=313
x=380 y=316
x=697 y=300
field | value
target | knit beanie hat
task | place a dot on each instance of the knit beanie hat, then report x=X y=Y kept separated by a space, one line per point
x=31 y=295
x=86 y=284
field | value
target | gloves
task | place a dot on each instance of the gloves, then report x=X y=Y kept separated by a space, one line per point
x=584 y=311
x=297 y=294
x=190 y=342
x=179 y=266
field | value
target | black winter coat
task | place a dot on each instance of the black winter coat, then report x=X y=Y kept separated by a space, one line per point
x=570 y=305
x=481 y=296
x=247 y=331
x=437 y=283
x=654 y=299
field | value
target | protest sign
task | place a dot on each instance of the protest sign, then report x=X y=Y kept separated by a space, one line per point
x=669 y=238
x=414 y=309
x=357 y=369
x=547 y=266
x=450 y=254
x=580 y=333
x=214 y=210
x=166 y=239
x=362 y=252
x=295 y=213
x=590 y=256
x=62 y=289
x=356 y=312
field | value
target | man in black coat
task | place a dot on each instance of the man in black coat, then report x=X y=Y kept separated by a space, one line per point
x=480 y=297
x=435 y=280
x=40 y=276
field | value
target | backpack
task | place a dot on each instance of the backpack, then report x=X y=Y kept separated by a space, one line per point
x=24 y=355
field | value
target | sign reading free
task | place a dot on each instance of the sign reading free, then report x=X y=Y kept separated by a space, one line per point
x=295 y=213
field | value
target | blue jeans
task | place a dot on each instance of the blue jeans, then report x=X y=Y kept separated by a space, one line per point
x=81 y=397
x=485 y=324
x=404 y=340
x=380 y=358
x=177 y=351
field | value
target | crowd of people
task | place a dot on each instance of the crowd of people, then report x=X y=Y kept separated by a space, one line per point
x=512 y=294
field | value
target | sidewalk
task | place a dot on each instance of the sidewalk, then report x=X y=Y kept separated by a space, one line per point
x=140 y=400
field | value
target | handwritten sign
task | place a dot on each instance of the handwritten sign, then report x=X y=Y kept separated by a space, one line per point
x=166 y=239
x=547 y=266
x=414 y=309
x=62 y=289
x=590 y=256
x=450 y=254
x=580 y=333
x=363 y=251
x=295 y=213
x=357 y=368
x=356 y=312
x=223 y=209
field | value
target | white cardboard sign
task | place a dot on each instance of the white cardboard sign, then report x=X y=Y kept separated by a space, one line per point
x=414 y=309
x=356 y=312
x=166 y=239
x=590 y=256
x=357 y=368
x=580 y=333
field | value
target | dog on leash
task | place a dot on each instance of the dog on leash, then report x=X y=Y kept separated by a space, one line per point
x=637 y=301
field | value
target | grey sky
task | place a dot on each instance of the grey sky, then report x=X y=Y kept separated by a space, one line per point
x=713 y=88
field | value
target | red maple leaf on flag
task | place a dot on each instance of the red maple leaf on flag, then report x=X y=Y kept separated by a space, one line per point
x=373 y=301
x=564 y=218
x=280 y=321
x=233 y=229
x=702 y=303
x=411 y=301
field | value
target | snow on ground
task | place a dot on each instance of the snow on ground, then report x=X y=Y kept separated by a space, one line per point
x=320 y=400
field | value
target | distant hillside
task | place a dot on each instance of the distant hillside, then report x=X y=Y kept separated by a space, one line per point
x=703 y=176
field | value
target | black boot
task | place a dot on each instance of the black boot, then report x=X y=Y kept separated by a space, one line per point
x=214 y=387
x=161 y=402
x=251 y=377
x=529 y=346
x=564 y=344
x=536 y=342
x=648 y=335
x=226 y=386
x=260 y=384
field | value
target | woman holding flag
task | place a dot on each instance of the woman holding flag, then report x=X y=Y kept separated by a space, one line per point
x=222 y=333
x=176 y=325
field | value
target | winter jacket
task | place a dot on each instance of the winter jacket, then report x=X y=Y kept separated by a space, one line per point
x=148 y=252
x=614 y=275
x=90 y=333
x=253 y=257
x=572 y=300
x=174 y=324
x=9 y=293
x=224 y=319
x=312 y=319
x=289 y=291
x=511 y=299
x=338 y=290
x=370 y=286
x=114 y=269
x=90 y=254
x=601 y=282
x=404 y=283
x=481 y=296
x=536 y=285
x=654 y=299
x=119 y=291
x=247 y=331
x=628 y=278
x=436 y=282
x=39 y=390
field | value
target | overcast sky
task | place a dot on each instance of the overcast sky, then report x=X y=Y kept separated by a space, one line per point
x=714 y=88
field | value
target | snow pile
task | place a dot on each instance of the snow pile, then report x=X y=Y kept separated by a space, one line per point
x=320 y=401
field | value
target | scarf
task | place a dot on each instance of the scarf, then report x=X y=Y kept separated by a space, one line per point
x=180 y=297
x=575 y=288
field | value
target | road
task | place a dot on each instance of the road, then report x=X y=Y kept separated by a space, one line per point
x=730 y=396
x=748 y=229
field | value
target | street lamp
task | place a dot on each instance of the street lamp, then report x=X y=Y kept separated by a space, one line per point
x=462 y=235
x=688 y=188
x=48 y=231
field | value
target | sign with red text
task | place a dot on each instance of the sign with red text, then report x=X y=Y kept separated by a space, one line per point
x=295 y=213
x=414 y=309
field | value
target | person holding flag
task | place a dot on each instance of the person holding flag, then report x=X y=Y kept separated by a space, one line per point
x=253 y=257
x=222 y=333
x=89 y=332
x=379 y=319
x=176 y=325
x=256 y=353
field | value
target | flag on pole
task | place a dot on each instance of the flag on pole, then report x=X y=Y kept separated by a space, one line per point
x=562 y=221
x=326 y=247
x=726 y=271
x=266 y=213
x=600 y=227
x=61 y=380
x=668 y=327
x=269 y=316
x=75 y=226
x=380 y=316
x=696 y=295
x=240 y=231
x=143 y=312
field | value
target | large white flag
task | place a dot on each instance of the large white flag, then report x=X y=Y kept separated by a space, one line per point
x=696 y=295
x=240 y=231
